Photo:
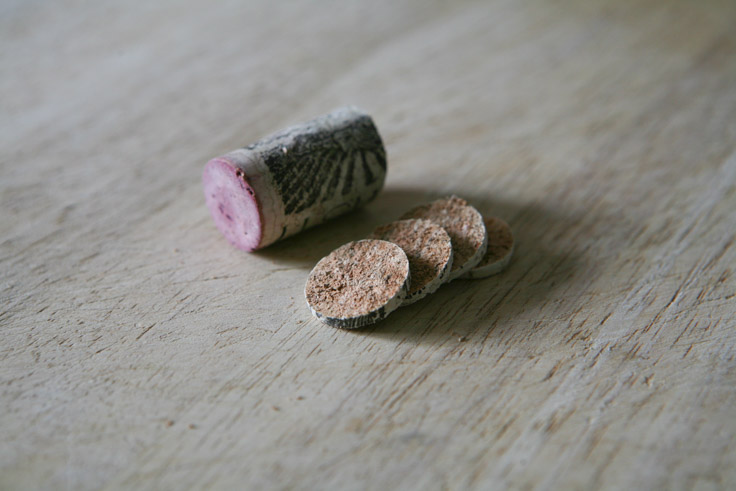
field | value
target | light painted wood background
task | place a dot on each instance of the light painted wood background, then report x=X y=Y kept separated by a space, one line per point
x=140 y=350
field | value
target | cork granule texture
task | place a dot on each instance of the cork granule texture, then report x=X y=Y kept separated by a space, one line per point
x=426 y=244
x=461 y=221
x=357 y=278
x=500 y=241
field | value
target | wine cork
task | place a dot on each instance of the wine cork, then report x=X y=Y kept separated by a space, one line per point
x=429 y=250
x=358 y=283
x=464 y=225
x=500 y=249
x=295 y=178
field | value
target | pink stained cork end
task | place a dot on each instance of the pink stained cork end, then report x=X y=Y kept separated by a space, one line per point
x=233 y=204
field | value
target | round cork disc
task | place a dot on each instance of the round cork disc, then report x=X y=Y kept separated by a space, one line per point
x=232 y=203
x=358 y=283
x=463 y=224
x=500 y=249
x=429 y=250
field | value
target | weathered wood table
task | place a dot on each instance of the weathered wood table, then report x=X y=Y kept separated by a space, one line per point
x=140 y=350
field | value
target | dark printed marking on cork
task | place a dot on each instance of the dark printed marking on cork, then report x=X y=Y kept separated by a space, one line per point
x=354 y=322
x=308 y=172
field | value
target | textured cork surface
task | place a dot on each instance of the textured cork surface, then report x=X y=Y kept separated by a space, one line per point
x=358 y=283
x=428 y=248
x=464 y=225
x=499 y=251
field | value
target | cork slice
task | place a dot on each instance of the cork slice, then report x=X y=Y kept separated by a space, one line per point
x=429 y=250
x=465 y=227
x=232 y=203
x=358 y=283
x=500 y=249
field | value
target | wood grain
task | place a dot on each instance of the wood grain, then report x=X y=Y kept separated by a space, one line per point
x=140 y=350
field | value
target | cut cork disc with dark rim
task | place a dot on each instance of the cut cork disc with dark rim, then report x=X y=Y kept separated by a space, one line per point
x=358 y=283
x=464 y=225
x=499 y=252
x=429 y=250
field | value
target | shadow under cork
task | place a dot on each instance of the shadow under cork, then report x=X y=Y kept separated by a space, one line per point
x=308 y=247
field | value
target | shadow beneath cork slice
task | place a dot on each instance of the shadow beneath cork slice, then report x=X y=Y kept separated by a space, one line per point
x=304 y=249
x=308 y=247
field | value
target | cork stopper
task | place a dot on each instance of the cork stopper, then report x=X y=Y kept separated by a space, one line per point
x=295 y=178
x=429 y=250
x=464 y=225
x=500 y=249
x=358 y=283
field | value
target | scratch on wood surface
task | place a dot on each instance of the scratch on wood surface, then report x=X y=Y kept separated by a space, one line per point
x=145 y=330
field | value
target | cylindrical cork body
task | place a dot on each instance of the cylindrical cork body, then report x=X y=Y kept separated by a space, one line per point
x=296 y=178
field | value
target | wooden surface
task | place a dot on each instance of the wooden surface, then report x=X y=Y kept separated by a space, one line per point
x=140 y=350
